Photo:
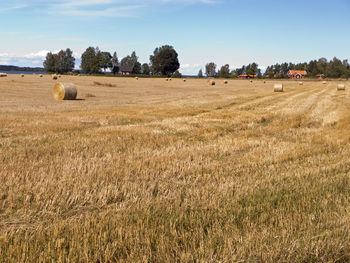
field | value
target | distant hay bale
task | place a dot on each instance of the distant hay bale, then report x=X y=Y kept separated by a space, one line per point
x=54 y=76
x=3 y=75
x=278 y=88
x=341 y=87
x=211 y=82
x=225 y=82
x=65 y=91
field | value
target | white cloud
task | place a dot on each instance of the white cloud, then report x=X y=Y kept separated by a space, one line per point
x=34 y=59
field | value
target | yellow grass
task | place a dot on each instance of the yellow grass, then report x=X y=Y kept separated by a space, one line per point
x=150 y=171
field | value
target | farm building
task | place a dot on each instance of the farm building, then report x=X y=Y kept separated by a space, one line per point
x=296 y=74
x=247 y=76
x=125 y=70
x=320 y=76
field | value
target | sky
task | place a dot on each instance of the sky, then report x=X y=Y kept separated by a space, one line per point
x=234 y=32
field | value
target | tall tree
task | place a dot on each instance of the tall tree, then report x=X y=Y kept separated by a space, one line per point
x=145 y=69
x=49 y=63
x=210 y=69
x=224 y=72
x=62 y=62
x=200 y=73
x=164 y=61
x=137 y=68
x=115 y=63
x=90 y=61
x=106 y=60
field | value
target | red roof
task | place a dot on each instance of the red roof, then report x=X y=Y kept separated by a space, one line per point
x=300 y=72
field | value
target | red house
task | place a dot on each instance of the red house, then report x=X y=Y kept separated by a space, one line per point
x=247 y=76
x=297 y=74
x=320 y=76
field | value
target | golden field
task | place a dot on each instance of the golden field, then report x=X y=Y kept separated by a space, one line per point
x=154 y=171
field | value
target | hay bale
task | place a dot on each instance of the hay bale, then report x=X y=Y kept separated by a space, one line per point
x=65 y=91
x=278 y=88
x=211 y=82
x=341 y=87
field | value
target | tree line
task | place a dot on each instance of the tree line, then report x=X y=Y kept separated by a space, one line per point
x=163 y=62
x=334 y=68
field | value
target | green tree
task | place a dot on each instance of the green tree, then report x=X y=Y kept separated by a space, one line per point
x=115 y=63
x=90 y=61
x=137 y=68
x=210 y=69
x=49 y=63
x=224 y=72
x=62 y=62
x=164 y=61
x=200 y=74
x=177 y=74
x=106 y=60
x=145 y=69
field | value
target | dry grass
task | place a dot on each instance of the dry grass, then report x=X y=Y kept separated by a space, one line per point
x=148 y=172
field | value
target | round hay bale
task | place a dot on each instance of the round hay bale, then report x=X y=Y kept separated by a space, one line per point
x=225 y=82
x=341 y=87
x=211 y=82
x=65 y=91
x=278 y=88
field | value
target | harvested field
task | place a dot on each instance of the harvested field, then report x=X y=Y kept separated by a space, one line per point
x=156 y=171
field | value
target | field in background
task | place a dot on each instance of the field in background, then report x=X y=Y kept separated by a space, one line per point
x=154 y=171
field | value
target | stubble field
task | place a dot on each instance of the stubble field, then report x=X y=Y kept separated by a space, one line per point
x=154 y=171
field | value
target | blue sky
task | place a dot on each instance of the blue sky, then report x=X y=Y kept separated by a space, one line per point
x=233 y=32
